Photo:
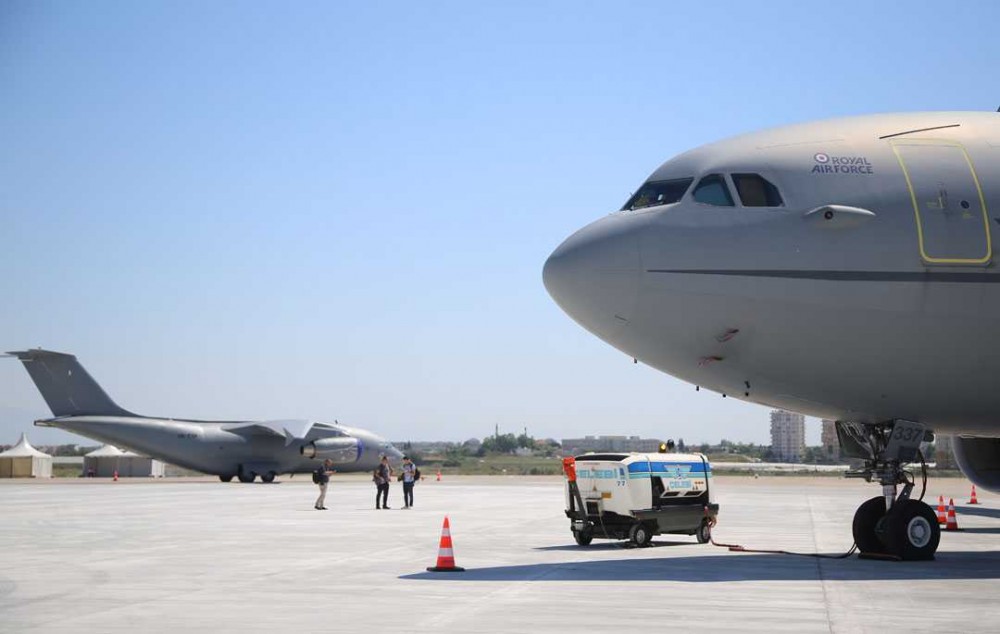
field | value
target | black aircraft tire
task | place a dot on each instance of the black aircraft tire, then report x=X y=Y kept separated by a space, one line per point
x=268 y=477
x=912 y=531
x=226 y=478
x=640 y=535
x=866 y=518
x=246 y=478
x=704 y=533
x=584 y=537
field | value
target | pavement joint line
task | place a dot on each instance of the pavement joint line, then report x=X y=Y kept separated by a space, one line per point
x=819 y=563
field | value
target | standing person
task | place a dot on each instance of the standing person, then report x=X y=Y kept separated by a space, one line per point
x=383 y=473
x=321 y=476
x=410 y=475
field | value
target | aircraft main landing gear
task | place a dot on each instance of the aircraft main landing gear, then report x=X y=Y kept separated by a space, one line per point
x=246 y=476
x=891 y=524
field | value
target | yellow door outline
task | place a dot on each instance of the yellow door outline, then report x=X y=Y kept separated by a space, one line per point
x=916 y=207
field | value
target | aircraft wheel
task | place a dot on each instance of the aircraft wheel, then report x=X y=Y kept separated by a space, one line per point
x=912 y=531
x=584 y=537
x=704 y=533
x=268 y=477
x=866 y=520
x=640 y=535
x=226 y=478
x=247 y=478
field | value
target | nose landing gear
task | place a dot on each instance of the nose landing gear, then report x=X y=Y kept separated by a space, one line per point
x=891 y=524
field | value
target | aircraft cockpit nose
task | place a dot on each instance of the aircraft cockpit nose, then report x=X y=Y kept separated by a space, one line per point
x=594 y=275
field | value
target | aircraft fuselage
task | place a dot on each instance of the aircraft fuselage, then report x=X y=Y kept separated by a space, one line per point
x=221 y=448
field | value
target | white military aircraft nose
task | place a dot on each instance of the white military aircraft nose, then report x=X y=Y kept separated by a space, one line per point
x=594 y=275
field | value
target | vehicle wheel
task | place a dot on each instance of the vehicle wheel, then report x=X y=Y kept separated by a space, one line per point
x=640 y=535
x=226 y=478
x=704 y=533
x=268 y=477
x=584 y=537
x=246 y=478
x=866 y=519
x=912 y=531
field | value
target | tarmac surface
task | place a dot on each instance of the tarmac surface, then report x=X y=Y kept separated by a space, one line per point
x=199 y=555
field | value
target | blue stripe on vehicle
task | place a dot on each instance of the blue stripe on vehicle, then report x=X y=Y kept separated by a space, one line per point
x=668 y=467
x=646 y=474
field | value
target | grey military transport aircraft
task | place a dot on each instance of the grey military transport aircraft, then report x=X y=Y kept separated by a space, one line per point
x=843 y=269
x=228 y=449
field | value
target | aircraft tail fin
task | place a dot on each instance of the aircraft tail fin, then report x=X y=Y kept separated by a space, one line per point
x=67 y=388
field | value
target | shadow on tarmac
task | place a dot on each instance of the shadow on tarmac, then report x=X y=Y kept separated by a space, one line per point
x=978 y=511
x=611 y=545
x=981 y=531
x=739 y=567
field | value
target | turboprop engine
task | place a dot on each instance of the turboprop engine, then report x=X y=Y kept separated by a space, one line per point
x=979 y=460
x=341 y=449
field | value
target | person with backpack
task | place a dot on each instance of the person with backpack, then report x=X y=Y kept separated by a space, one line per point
x=409 y=477
x=381 y=477
x=321 y=476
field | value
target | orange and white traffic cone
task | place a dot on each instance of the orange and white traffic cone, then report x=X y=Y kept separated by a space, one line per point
x=115 y=476
x=942 y=512
x=439 y=476
x=972 y=498
x=952 y=524
x=446 y=555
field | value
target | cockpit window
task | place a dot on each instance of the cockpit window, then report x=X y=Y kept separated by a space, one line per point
x=654 y=193
x=757 y=191
x=712 y=190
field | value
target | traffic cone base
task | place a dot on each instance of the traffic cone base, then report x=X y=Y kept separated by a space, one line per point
x=446 y=555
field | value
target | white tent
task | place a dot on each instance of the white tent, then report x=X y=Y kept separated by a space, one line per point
x=24 y=461
x=104 y=461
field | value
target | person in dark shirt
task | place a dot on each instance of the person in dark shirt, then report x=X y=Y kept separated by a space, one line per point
x=382 y=475
x=323 y=479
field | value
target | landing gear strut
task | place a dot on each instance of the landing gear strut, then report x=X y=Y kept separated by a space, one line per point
x=891 y=524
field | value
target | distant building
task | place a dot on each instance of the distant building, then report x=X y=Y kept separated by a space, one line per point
x=830 y=441
x=943 y=456
x=788 y=436
x=610 y=443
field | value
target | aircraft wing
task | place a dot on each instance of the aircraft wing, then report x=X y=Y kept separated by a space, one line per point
x=290 y=430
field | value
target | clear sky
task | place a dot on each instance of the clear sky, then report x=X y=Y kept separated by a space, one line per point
x=341 y=210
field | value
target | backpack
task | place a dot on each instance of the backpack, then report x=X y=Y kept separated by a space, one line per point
x=416 y=473
x=318 y=475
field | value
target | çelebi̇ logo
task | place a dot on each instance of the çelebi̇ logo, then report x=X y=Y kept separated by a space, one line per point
x=826 y=164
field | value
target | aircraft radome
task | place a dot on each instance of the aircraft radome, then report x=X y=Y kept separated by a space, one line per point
x=843 y=269
x=228 y=449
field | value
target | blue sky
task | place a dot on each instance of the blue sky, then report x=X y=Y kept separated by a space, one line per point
x=341 y=210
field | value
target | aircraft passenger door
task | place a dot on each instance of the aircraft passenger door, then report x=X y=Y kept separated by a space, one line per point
x=948 y=204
